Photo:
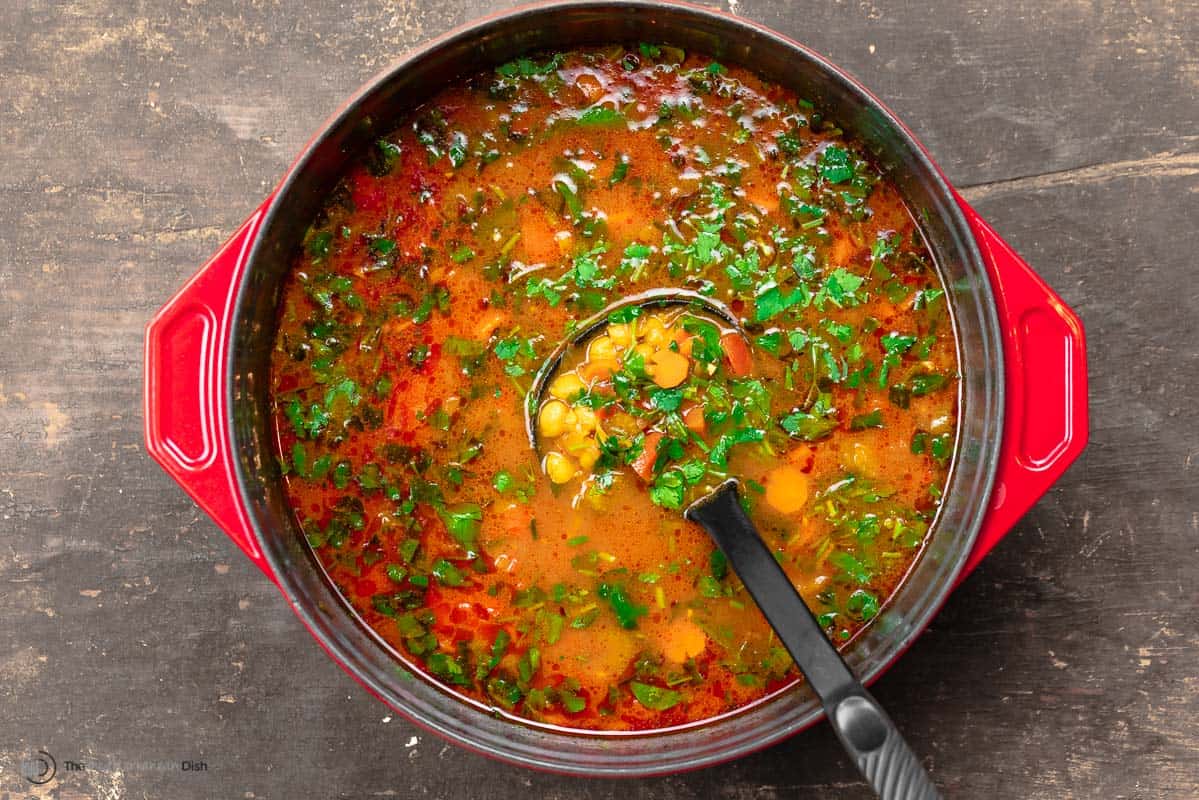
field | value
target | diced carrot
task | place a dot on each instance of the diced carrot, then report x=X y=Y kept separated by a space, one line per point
x=787 y=489
x=515 y=519
x=693 y=418
x=683 y=339
x=643 y=464
x=736 y=353
x=407 y=398
x=668 y=368
x=623 y=222
x=763 y=195
x=488 y=323
x=683 y=640
x=537 y=236
x=598 y=370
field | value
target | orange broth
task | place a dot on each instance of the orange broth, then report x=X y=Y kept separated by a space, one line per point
x=468 y=243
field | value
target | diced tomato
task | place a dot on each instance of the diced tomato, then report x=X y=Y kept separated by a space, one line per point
x=736 y=354
x=643 y=465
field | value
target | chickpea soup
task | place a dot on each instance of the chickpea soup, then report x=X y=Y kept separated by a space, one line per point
x=557 y=580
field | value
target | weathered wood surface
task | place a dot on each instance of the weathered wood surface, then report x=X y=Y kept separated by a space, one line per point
x=134 y=136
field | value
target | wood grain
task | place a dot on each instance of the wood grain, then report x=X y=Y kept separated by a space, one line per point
x=135 y=136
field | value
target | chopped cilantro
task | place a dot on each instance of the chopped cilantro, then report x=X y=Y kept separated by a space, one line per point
x=836 y=165
x=462 y=522
x=600 y=115
x=895 y=343
x=655 y=698
x=625 y=609
x=861 y=422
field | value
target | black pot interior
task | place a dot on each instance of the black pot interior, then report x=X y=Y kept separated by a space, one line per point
x=379 y=108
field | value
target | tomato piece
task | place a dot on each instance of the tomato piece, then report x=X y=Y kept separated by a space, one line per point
x=736 y=354
x=643 y=464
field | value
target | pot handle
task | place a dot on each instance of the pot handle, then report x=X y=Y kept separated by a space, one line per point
x=1045 y=409
x=186 y=411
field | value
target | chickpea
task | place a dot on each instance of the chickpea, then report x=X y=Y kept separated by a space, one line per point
x=567 y=386
x=621 y=334
x=559 y=468
x=602 y=349
x=588 y=456
x=551 y=423
x=584 y=419
x=652 y=329
x=575 y=443
x=645 y=350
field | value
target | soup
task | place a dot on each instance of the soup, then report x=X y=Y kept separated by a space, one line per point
x=556 y=579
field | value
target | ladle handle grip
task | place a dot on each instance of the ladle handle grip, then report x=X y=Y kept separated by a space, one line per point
x=868 y=734
x=881 y=753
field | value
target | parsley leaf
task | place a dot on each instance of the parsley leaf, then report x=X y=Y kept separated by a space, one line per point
x=841 y=288
x=626 y=610
x=771 y=301
x=666 y=399
x=600 y=115
x=655 y=698
x=835 y=165
x=462 y=522
x=863 y=421
x=896 y=343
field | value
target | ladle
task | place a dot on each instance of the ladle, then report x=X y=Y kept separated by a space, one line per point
x=866 y=732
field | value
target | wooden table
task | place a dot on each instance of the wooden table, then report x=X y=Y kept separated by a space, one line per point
x=134 y=137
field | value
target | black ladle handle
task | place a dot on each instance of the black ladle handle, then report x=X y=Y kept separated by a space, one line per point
x=867 y=733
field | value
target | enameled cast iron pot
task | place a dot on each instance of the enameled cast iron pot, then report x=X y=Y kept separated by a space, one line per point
x=1023 y=412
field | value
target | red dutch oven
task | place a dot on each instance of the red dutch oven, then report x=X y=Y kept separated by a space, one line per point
x=1022 y=397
